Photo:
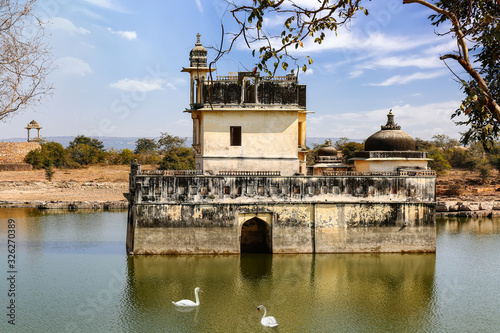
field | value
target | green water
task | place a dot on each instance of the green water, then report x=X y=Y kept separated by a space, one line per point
x=72 y=275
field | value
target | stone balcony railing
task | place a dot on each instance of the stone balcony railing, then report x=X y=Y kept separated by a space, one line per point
x=399 y=173
x=168 y=187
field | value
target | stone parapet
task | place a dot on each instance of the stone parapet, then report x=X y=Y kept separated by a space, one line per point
x=241 y=189
x=15 y=152
x=16 y=167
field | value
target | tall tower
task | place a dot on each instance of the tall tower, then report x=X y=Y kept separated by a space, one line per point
x=198 y=69
x=245 y=122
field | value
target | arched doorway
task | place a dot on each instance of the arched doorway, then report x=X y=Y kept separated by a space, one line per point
x=255 y=237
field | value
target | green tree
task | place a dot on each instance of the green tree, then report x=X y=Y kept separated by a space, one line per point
x=423 y=145
x=444 y=141
x=181 y=158
x=466 y=20
x=167 y=142
x=86 y=151
x=84 y=154
x=82 y=139
x=145 y=146
x=348 y=149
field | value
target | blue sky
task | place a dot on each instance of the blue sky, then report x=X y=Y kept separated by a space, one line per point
x=119 y=66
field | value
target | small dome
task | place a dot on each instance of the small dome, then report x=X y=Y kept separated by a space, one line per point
x=198 y=55
x=33 y=124
x=390 y=138
x=327 y=149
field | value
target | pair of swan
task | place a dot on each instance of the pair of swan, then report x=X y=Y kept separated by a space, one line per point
x=268 y=321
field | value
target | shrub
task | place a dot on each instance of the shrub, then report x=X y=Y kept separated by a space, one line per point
x=484 y=172
x=454 y=189
x=35 y=158
x=127 y=156
x=49 y=171
x=59 y=156
x=439 y=163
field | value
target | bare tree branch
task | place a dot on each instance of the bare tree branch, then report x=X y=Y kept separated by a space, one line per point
x=25 y=59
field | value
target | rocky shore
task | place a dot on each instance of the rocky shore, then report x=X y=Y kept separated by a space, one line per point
x=468 y=208
x=69 y=205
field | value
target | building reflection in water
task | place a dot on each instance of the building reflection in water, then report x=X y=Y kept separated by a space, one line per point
x=325 y=291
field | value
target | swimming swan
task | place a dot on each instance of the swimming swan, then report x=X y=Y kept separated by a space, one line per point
x=187 y=302
x=267 y=321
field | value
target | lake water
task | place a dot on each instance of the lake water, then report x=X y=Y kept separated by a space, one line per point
x=72 y=275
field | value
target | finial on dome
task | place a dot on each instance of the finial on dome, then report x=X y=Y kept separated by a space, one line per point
x=198 y=39
x=391 y=125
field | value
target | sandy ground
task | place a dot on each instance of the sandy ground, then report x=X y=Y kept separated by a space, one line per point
x=95 y=183
x=108 y=183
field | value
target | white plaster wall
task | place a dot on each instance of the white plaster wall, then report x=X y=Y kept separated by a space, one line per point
x=288 y=167
x=264 y=133
x=269 y=141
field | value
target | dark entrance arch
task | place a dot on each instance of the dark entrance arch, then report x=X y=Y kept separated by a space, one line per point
x=255 y=237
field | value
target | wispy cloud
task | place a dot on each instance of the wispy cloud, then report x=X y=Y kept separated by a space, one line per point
x=403 y=61
x=130 y=35
x=404 y=79
x=73 y=66
x=200 y=6
x=422 y=121
x=141 y=85
x=63 y=24
x=107 y=4
x=355 y=73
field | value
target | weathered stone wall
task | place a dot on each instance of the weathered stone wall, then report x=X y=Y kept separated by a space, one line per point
x=250 y=189
x=15 y=152
x=205 y=214
x=295 y=228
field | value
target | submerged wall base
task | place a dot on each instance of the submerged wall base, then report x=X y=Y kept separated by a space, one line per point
x=294 y=227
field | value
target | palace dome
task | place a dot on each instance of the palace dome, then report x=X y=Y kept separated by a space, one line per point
x=327 y=149
x=390 y=138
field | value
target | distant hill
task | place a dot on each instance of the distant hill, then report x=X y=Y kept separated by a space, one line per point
x=120 y=143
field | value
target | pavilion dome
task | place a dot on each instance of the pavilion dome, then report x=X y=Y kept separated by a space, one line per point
x=390 y=138
x=327 y=149
x=198 y=55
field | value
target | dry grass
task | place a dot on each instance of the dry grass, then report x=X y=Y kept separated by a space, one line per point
x=95 y=183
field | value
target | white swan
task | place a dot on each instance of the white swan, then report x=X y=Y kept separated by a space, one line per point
x=267 y=321
x=187 y=302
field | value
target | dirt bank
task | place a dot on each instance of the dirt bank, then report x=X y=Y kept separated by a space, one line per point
x=94 y=185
